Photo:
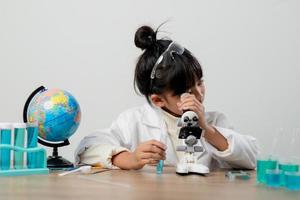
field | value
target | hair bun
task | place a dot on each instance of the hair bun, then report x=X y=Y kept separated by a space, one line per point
x=144 y=37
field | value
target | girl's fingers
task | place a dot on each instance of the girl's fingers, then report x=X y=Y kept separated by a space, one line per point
x=186 y=96
x=193 y=107
x=154 y=156
x=193 y=101
x=150 y=148
x=145 y=161
x=189 y=101
x=149 y=162
x=145 y=155
x=154 y=146
x=158 y=144
x=189 y=97
x=191 y=104
x=153 y=162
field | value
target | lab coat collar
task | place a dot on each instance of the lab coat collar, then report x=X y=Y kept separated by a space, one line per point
x=151 y=116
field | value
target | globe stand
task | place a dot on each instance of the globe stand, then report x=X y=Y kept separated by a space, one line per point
x=55 y=161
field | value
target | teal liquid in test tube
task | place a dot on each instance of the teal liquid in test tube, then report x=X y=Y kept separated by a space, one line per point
x=19 y=135
x=5 y=138
x=32 y=139
x=262 y=165
x=160 y=164
x=160 y=167
x=287 y=167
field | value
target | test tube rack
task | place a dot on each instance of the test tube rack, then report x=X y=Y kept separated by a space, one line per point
x=36 y=162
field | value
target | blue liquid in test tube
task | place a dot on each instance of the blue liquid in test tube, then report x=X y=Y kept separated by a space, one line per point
x=160 y=167
x=5 y=138
x=19 y=134
x=160 y=164
x=32 y=138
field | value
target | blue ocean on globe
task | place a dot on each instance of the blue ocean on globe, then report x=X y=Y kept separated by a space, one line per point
x=57 y=113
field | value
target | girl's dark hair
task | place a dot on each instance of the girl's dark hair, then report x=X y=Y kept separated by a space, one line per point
x=176 y=75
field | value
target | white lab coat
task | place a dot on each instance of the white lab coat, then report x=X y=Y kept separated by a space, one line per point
x=144 y=123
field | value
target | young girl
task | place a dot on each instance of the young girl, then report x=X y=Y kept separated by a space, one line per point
x=164 y=72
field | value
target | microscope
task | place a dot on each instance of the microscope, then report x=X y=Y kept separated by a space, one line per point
x=190 y=134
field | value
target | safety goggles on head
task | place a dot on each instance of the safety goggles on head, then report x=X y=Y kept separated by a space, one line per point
x=173 y=48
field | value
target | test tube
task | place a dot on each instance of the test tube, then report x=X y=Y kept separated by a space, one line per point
x=160 y=167
x=160 y=164
x=19 y=134
x=5 y=135
x=32 y=138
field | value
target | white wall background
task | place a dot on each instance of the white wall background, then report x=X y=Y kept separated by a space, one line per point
x=249 y=50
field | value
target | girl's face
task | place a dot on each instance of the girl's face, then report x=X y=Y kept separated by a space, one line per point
x=169 y=102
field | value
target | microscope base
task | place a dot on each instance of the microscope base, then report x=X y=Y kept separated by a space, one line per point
x=186 y=168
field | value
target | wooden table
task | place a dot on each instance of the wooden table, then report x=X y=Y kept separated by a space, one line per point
x=142 y=184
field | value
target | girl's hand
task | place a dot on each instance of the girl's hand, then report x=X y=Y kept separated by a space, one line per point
x=190 y=102
x=149 y=152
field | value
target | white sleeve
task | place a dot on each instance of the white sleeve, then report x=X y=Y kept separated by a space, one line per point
x=99 y=147
x=101 y=154
x=242 y=149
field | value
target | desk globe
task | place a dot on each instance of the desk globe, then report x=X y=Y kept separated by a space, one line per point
x=58 y=115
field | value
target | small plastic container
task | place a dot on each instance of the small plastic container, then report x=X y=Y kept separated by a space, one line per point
x=292 y=181
x=273 y=178
x=287 y=167
x=233 y=175
x=262 y=165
